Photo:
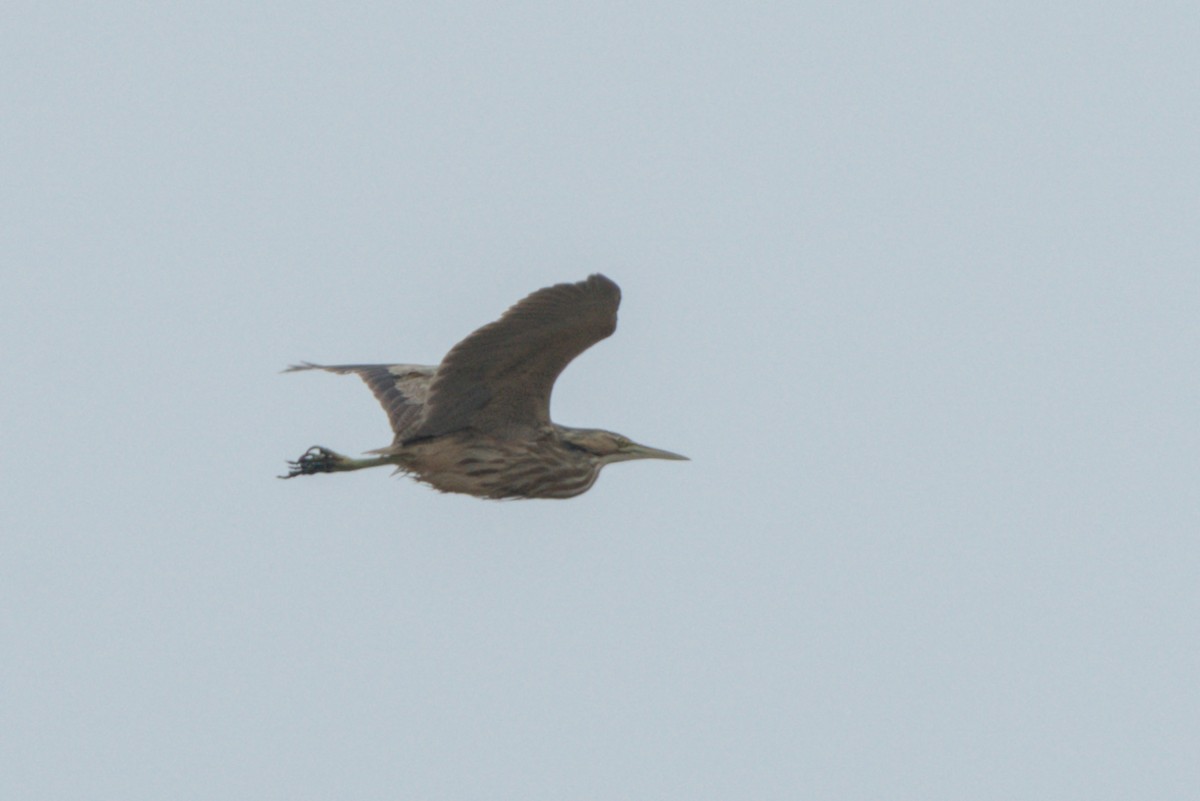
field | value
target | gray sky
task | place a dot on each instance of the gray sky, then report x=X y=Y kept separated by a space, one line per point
x=915 y=287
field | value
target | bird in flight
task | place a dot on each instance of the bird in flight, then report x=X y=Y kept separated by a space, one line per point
x=479 y=422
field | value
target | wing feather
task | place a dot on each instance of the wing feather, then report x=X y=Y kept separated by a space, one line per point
x=499 y=378
x=401 y=389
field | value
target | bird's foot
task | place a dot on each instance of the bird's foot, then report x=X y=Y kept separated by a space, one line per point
x=315 y=460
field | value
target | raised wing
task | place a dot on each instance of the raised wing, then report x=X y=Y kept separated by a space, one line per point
x=499 y=378
x=401 y=389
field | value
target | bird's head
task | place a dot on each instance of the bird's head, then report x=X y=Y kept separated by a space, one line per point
x=605 y=447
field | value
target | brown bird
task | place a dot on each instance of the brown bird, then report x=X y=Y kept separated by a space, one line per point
x=479 y=423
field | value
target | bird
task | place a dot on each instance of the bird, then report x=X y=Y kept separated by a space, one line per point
x=479 y=422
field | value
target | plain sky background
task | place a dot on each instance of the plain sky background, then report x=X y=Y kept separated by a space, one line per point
x=915 y=286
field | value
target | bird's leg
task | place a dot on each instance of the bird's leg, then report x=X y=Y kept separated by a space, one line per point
x=322 y=460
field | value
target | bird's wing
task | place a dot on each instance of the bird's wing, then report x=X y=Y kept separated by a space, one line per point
x=400 y=388
x=499 y=378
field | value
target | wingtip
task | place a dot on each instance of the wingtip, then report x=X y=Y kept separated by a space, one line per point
x=601 y=281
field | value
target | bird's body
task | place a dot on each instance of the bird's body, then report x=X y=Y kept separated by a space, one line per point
x=479 y=423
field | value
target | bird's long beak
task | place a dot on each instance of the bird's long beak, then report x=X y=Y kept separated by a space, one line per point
x=636 y=451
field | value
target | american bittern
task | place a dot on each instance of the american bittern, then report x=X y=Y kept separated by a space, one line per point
x=479 y=423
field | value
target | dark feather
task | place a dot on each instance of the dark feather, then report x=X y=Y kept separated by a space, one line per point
x=498 y=380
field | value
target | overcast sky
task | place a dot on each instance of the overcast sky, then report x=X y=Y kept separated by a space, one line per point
x=914 y=285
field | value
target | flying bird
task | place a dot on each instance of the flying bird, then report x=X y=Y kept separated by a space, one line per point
x=479 y=422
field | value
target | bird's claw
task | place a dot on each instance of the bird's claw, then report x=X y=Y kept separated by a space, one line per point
x=315 y=460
